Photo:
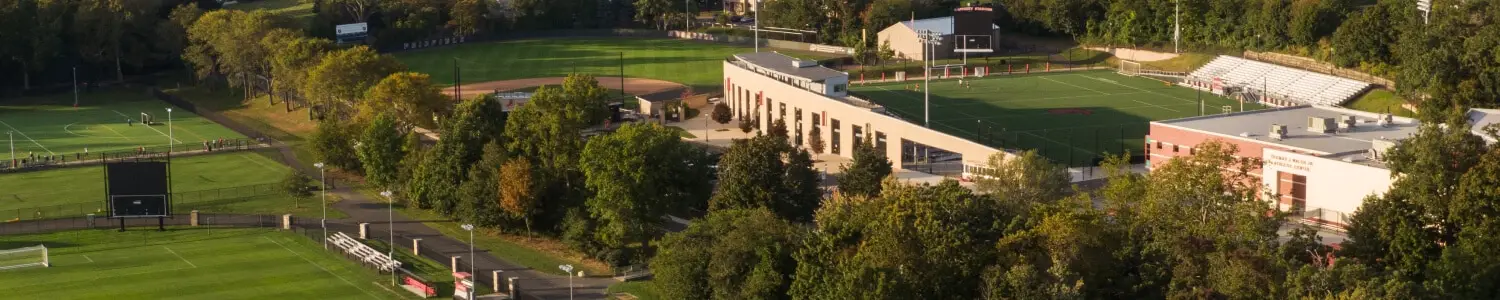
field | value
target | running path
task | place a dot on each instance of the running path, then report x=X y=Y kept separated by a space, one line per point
x=632 y=86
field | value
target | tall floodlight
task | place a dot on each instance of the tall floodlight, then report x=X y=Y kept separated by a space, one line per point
x=391 y=228
x=470 y=228
x=569 y=270
x=929 y=41
x=12 y=135
x=1176 y=26
x=757 y=27
x=323 y=184
x=171 y=146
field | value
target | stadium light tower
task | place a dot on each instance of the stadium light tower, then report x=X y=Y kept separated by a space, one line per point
x=470 y=228
x=757 y=27
x=323 y=183
x=170 y=145
x=568 y=269
x=12 y=135
x=391 y=230
x=929 y=40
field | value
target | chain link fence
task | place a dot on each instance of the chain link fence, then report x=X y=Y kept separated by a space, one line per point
x=33 y=162
x=203 y=200
x=101 y=222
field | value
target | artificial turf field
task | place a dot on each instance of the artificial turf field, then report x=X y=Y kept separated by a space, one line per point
x=188 y=263
x=51 y=125
x=1070 y=117
x=696 y=64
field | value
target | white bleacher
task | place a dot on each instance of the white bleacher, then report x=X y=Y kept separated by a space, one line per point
x=1284 y=84
x=365 y=254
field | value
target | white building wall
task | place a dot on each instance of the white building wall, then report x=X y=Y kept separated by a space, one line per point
x=775 y=93
x=1331 y=184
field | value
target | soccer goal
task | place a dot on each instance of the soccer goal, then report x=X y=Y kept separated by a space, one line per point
x=24 y=257
x=1130 y=68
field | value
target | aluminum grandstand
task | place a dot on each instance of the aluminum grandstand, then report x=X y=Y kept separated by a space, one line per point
x=1281 y=86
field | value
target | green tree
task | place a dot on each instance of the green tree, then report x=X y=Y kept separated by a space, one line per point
x=722 y=113
x=333 y=142
x=341 y=77
x=297 y=185
x=546 y=131
x=475 y=122
x=815 y=140
x=479 y=193
x=410 y=96
x=380 y=151
x=108 y=30
x=291 y=58
x=778 y=129
x=469 y=17
x=801 y=188
x=750 y=175
x=747 y=125
x=884 y=13
x=729 y=254
x=1365 y=37
x=1024 y=176
x=172 y=35
x=637 y=175
x=862 y=177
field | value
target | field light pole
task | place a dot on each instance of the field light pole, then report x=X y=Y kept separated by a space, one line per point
x=323 y=182
x=569 y=270
x=170 y=145
x=391 y=213
x=929 y=39
x=470 y=228
x=757 y=27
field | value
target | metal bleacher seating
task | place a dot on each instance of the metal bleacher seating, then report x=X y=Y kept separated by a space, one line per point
x=1282 y=83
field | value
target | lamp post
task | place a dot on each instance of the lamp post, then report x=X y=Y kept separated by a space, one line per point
x=470 y=228
x=757 y=27
x=391 y=230
x=929 y=39
x=170 y=145
x=323 y=185
x=569 y=270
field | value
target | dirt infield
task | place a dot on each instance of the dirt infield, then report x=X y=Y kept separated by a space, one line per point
x=633 y=86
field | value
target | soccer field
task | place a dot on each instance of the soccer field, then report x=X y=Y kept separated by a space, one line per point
x=1069 y=117
x=50 y=125
x=188 y=264
x=696 y=64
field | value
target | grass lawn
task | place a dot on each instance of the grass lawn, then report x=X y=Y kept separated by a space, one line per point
x=80 y=190
x=1073 y=58
x=643 y=290
x=52 y=125
x=542 y=254
x=1185 y=62
x=1070 y=117
x=696 y=64
x=298 y=10
x=1381 y=101
x=189 y=263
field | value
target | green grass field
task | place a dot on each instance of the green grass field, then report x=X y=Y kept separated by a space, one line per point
x=186 y=263
x=1381 y=101
x=75 y=191
x=696 y=64
x=1070 y=117
x=51 y=125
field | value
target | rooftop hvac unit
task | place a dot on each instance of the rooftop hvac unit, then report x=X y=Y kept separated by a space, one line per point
x=1346 y=122
x=1321 y=125
x=1385 y=120
x=803 y=63
x=1278 y=132
x=1380 y=147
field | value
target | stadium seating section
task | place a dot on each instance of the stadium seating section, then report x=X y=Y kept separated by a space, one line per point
x=1287 y=86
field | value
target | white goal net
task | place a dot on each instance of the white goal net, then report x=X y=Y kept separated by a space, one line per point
x=33 y=256
x=1130 y=68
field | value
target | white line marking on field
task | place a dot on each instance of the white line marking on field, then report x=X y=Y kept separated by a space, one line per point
x=179 y=256
x=1159 y=94
x=86 y=256
x=23 y=134
x=174 y=139
x=299 y=255
x=1073 y=85
x=263 y=165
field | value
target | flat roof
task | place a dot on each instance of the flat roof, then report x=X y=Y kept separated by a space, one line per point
x=940 y=26
x=1479 y=118
x=783 y=64
x=1256 y=126
x=665 y=95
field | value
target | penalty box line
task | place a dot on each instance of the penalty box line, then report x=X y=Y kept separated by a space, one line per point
x=23 y=134
x=174 y=139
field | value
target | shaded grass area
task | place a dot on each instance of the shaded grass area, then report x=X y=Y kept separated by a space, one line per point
x=228 y=182
x=300 y=11
x=697 y=64
x=1381 y=101
x=540 y=253
x=643 y=290
x=1070 y=117
x=51 y=124
x=1068 y=59
x=198 y=263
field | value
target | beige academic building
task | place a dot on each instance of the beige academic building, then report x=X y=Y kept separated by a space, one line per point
x=767 y=86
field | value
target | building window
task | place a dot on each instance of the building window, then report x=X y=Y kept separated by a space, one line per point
x=880 y=142
x=834 y=138
x=1174 y=148
x=783 y=110
x=859 y=134
x=815 y=120
x=1158 y=145
x=797 y=137
x=840 y=88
